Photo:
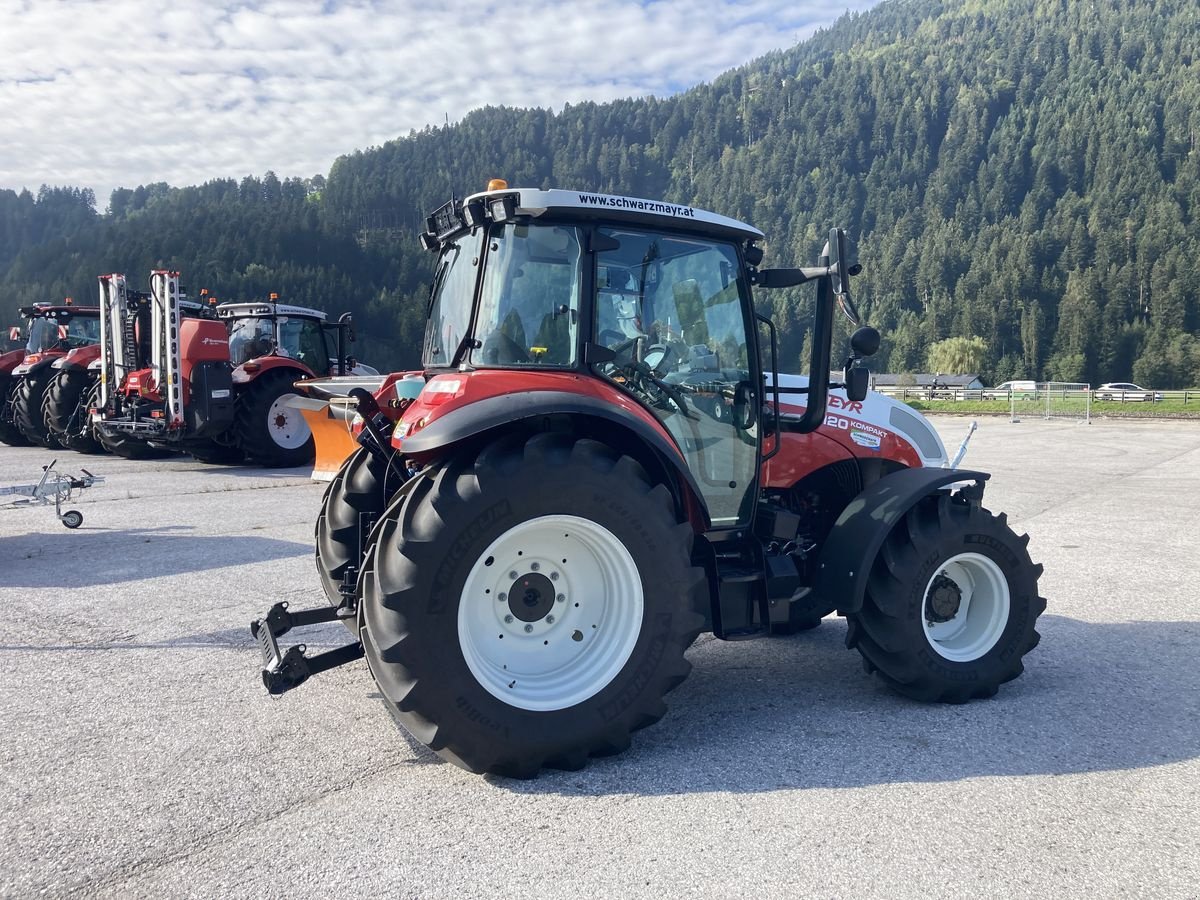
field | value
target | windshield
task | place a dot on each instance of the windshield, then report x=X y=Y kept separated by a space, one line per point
x=250 y=338
x=62 y=334
x=450 y=300
x=529 y=304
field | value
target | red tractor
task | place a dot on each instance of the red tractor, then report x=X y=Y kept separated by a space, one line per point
x=216 y=385
x=611 y=464
x=54 y=332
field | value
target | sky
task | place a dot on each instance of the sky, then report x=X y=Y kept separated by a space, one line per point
x=128 y=92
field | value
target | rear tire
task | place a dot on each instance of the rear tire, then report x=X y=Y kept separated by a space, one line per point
x=65 y=410
x=9 y=432
x=218 y=454
x=511 y=685
x=268 y=432
x=951 y=603
x=27 y=408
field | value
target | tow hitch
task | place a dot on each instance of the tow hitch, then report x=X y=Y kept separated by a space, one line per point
x=282 y=672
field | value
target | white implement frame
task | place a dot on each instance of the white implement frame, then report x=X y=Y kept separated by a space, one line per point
x=164 y=352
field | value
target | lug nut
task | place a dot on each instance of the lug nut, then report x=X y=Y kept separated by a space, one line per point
x=535 y=566
x=502 y=596
x=508 y=620
x=549 y=620
x=513 y=574
x=554 y=576
x=528 y=628
x=561 y=598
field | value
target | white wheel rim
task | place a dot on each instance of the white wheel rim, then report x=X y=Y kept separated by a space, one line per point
x=966 y=631
x=569 y=649
x=286 y=425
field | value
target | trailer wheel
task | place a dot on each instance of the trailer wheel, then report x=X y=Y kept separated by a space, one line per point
x=529 y=604
x=360 y=487
x=9 y=432
x=72 y=518
x=268 y=431
x=27 y=409
x=65 y=410
x=951 y=603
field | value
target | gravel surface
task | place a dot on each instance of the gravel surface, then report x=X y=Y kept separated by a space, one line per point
x=142 y=758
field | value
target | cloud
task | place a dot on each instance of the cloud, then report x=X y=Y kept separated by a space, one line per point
x=102 y=94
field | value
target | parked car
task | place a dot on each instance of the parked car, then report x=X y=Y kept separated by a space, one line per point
x=1125 y=390
x=1002 y=391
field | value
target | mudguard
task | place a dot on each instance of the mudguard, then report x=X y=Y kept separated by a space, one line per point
x=504 y=409
x=860 y=530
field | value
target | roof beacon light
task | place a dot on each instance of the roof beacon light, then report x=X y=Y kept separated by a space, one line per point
x=274 y=297
x=68 y=301
x=497 y=184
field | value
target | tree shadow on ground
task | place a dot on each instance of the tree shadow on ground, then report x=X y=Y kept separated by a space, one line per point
x=90 y=558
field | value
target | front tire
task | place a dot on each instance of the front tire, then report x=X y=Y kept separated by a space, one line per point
x=529 y=605
x=65 y=410
x=269 y=432
x=951 y=603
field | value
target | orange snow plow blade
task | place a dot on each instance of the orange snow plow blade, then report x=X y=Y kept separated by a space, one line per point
x=329 y=414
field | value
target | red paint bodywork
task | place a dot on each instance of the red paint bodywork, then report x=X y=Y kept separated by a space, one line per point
x=81 y=357
x=252 y=369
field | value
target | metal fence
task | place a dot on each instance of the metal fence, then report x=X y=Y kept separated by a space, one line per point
x=977 y=394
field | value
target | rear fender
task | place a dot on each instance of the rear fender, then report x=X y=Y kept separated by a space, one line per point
x=855 y=539
x=612 y=424
x=255 y=368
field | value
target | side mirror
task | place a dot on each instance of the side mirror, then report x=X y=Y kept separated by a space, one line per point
x=857 y=380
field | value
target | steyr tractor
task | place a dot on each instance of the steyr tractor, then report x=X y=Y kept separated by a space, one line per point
x=216 y=386
x=611 y=464
x=55 y=331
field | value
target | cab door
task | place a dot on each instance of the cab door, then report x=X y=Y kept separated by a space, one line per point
x=674 y=311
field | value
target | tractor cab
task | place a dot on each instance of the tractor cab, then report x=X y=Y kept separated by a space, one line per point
x=298 y=333
x=54 y=330
x=650 y=302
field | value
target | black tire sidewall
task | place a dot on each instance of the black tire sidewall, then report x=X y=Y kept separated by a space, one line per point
x=995 y=541
x=254 y=434
x=429 y=613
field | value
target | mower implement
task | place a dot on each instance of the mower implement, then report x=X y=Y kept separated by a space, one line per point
x=610 y=463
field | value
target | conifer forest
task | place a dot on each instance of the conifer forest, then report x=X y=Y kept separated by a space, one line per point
x=1024 y=172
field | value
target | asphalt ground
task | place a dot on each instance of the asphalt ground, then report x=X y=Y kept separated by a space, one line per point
x=141 y=757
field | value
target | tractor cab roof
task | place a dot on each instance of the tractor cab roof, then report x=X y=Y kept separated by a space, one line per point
x=57 y=311
x=268 y=308
x=509 y=203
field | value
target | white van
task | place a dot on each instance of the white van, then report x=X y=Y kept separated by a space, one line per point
x=1008 y=388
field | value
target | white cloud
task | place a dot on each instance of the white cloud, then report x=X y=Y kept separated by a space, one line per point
x=103 y=94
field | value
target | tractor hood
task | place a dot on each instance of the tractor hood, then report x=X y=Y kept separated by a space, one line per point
x=868 y=425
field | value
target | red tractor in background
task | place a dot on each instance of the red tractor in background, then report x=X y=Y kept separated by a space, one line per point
x=611 y=464
x=74 y=386
x=217 y=385
x=54 y=332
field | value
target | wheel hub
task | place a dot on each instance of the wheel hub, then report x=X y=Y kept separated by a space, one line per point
x=550 y=612
x=943 y=600
x=531 y=597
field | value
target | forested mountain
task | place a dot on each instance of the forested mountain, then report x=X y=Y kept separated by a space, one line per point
x=1025 y=171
